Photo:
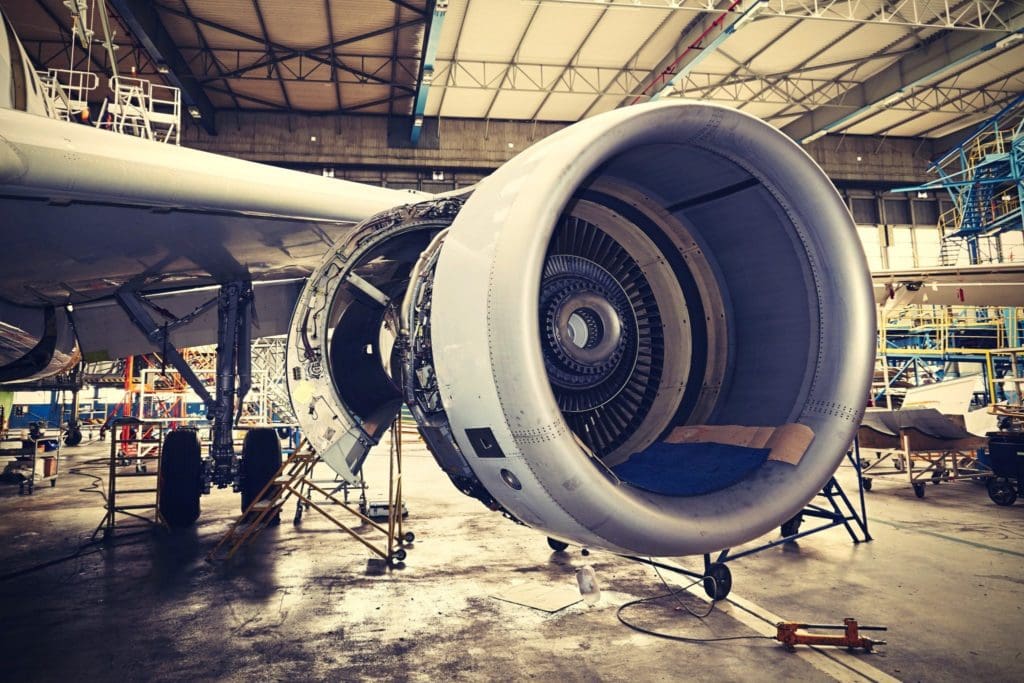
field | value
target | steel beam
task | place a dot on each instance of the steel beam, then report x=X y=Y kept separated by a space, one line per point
x=898 y=81
x=143 y=20
x=437 y=10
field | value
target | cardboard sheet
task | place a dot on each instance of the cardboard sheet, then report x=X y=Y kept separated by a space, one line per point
x=543 y=596
x=788 y=442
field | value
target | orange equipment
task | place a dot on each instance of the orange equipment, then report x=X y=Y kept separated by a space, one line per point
x=851 y=638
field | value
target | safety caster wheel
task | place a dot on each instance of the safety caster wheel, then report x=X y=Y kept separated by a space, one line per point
x=556 y=545
x=791 y=527
x=919 y=490
x=866 y=482
x=717 y=581
x=409 y=537
x=397 y=557
x=938 y=476
x=1001 y=490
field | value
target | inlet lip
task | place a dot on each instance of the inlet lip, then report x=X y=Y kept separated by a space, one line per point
x=500 y=239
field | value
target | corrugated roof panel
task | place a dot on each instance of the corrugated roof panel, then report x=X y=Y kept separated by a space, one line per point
x=235 y=14
x=557 y=32
x=450 y=31
x=492 y=29
x=1000 y=66
x=297 y=23
x=899 y=123
x=511 y=104
x=362 y=95
x=565 y=107
x=661 y=42
x=805 y=39
x=619 y=35
x=867 y=41
x=466 y=102
x=260 y=93
x=314 y=96
x=603 y=104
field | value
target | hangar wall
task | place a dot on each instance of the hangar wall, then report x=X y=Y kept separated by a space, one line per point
x=452 y=144
x=897 y=231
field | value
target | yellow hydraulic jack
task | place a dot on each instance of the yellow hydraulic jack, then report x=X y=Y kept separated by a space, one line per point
x=788 y=635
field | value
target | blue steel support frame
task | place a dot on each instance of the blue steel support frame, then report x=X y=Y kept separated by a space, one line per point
x=436 y=12
x=742 y=20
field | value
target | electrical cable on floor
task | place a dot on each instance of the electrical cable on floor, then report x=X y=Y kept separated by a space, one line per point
x=92 y=487
x=674 y=593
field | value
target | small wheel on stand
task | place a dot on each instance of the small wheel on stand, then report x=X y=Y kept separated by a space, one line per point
x=556 y=545
x=919 y=490
x=298 y=513
x=397 y=557
x=717 y=581
x=866 y=482
x=408 y=537
x=939 y=475
x=1001 y=490
x=791 y=527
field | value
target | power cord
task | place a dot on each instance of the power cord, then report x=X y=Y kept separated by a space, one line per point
x=674 y=593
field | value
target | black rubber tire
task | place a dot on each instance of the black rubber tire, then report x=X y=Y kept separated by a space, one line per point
x=721 y=585
x=73 y=437
x=261 y=459
x=408 y=537
x=1002 y=491
x=181 y=479
x=556 y=545
x=867 y=483
x=938 y=476
x=919 y=490
x=791 y=527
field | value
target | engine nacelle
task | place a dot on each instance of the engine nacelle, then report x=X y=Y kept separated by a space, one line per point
x=651 y=332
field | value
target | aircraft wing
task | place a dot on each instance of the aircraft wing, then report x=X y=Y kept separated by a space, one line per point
x=87 y=211
x=996 y=284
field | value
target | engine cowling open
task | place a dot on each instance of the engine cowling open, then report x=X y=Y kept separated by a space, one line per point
x=591 y=337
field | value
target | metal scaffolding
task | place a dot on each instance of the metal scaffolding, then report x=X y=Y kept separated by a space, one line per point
x=984 y=176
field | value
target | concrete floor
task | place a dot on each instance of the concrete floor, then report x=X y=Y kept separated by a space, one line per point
x=945 y=574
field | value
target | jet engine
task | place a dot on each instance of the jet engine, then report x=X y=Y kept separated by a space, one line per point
x=651 y=332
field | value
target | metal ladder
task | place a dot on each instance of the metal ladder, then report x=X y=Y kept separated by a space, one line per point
x=294 y=479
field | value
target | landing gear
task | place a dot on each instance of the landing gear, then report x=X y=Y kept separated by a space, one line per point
x=261 y=459
x=717 y=581
x=181 y=479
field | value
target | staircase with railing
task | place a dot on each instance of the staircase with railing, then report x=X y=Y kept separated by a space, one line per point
x=984 y=176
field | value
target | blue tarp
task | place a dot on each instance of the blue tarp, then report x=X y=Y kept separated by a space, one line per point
x=689 y=469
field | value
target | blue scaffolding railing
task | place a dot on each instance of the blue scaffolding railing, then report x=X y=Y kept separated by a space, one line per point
x=984 y=177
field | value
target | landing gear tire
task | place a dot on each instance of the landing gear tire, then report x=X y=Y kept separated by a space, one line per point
x=261 y=459
x=181 y=479
x=791 y=527
x=556 y=545
x=919 y=490
x=1002 y=491
x=717 y=581
x=866 y=483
